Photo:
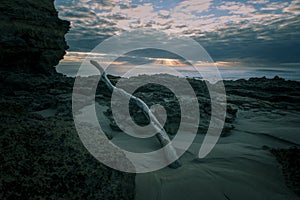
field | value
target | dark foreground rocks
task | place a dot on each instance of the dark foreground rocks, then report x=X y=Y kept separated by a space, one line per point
x=43 y=157
x=289 y=160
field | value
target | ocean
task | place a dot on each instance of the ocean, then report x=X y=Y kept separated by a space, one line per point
x=227 y=72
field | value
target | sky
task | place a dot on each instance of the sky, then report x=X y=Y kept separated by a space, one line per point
x=252 y=32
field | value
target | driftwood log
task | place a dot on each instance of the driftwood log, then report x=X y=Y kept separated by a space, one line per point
x=161 y=135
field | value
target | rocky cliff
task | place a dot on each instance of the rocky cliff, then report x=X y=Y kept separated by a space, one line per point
x=32 y=36
x=42 y=156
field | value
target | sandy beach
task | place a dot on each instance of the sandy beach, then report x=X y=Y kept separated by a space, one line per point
x=240 y=166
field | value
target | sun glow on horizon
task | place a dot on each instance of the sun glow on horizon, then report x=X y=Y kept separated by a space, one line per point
x=169 y=62
x=79 y=57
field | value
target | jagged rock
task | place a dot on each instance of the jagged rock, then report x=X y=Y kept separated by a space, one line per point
x=42 y=155
x=32 y=36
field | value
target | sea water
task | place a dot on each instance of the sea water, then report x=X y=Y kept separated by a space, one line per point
x=227 y=73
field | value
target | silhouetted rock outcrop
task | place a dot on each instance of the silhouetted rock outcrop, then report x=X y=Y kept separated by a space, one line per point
x=41 y=154
x=32 y=36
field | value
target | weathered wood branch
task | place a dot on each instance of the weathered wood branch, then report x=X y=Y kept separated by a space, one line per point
x=162 y=136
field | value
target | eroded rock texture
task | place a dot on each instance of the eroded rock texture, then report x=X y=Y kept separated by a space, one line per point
x=32 y=36
x=41 y=154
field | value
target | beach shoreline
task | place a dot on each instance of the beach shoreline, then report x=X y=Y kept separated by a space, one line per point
x=268 y=115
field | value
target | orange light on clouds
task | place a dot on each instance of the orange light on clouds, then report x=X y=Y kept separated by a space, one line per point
x=169 y=62
x=226 y=64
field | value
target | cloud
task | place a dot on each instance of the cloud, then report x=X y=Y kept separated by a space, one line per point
x=237 y=8
x=275 y=6
x=293 y=8
x=192 y=6
x=261 y=29
x=259 y=43
x=259 y=1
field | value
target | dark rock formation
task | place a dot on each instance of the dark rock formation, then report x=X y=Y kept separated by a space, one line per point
x=255 y=93
x=32 y=36
x=290 y=164
x=264 y=93
x=42 y=156
x=156 y=94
